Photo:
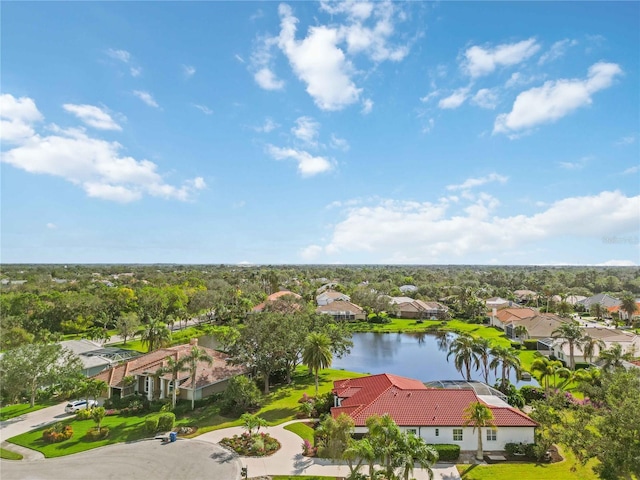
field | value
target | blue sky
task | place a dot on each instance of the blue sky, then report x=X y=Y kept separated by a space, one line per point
x=331 y=132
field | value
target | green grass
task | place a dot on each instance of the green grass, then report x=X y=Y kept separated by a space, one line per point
x=7 y=455
x=12 y=411
x=302 y=477
x=305 y=432
x=569 y=469
x=281 y=405
x=121 y=429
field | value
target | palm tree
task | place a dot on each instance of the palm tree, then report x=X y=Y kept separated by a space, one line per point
x=95 y=388
x=195 y=356
x=548 y=369
x=384 y=435
x=478 y=415
x=571 y=334
x=507 y=358
x=588 y=347
x=597 y=310
x=613 y=357
x=317 y=353
x=412 y=450
x=464 y=354
x=521 y=332
x=174 y=367
x=629 y=306
x=482 y=349
x=362 y=451
x=155 y=335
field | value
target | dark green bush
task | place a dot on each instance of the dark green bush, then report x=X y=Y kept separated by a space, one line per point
x=151 y=424
x=531 y=393
x=93 y=434
x=166 y=421
x=530 y=344
x=582 y=365
x=516 y=345
x=447 y=452
x=242 y=395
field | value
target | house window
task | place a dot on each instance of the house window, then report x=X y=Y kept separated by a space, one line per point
x=437 y=432
x=412 y=430
x=147 y=384
x=492 y=435
x=457 y=434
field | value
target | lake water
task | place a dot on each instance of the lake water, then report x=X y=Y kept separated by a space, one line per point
x=420 y=356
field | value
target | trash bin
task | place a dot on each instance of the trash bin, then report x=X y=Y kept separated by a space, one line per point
x=173 y=436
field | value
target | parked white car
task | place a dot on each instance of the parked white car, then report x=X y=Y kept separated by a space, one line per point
x=75 y=405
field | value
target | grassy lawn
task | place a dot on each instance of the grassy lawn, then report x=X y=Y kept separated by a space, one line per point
x=7 y=455
x=12 y=411
x=122 y=429
x=397 y=325
x=305 y=432
x=280 y=406
x=530 y=471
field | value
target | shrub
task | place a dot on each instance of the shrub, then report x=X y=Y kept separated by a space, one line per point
x=516 y=345
x=531 y=393
x=447 y=452
x=84 y=414
x=324 y=403
x=95 y=434
x=57 y=433
x=166 y=421
x=151 y=424
x=242 y=395
x=530 y=344
x=582 y=365
x=159 y=405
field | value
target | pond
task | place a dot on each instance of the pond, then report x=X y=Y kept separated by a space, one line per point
x=421 y=356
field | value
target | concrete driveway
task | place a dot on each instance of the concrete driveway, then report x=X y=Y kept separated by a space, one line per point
x=145 y=459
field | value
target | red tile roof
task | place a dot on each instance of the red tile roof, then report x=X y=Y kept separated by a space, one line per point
x=410 y=403
x=273 y=297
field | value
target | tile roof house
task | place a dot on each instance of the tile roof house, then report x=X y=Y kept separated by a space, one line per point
x=629 y=341
x=434 y=414
x=142 y=370
x=601 y=298
x=499 y=318
x=617 y=310
x=341 y=310
x=274 y=297
x=325 y=298
x=95 y=357
x=411 y=308
x=498 y=303
x=538 y=326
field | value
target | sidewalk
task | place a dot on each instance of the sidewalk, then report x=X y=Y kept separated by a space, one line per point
x=290 y=461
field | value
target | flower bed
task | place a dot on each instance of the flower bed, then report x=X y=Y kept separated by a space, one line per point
x=258 y=445
x=57 y=433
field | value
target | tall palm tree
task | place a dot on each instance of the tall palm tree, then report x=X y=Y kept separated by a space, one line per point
x=549 y=369
x=462 y=348
x=507 y=359
x=521 y=332
x=482 y=349
x=174 y=367
x=571 y=334
x=613 y=357
x=191 y=360
x=588 y=347
x=412 y=450
x=629 y=306
x=597 y=310
x=384 y=435
x=360 y=451
x=478 y=415
x=317 y=353
x=155 y=334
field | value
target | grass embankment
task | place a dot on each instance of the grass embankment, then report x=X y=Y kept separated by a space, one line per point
x=304 y=431
x=121 y=429
x=12 y=411
x=178 y=337
x=569 y=469
x=7 y=455
x=281 y=405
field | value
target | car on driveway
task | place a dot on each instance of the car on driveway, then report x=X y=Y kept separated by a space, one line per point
x=75 y=405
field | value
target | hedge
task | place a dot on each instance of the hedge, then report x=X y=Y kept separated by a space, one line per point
x=530 y=344
x=151 y=424
x=166 y=421
x=447 y=452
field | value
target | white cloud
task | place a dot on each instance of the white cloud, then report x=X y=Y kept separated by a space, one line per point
x=339 y=143
x=203 y=108
x=308 y=165
x=427 y=127
x=454 y=100
x=51 y=226
x=311 y=252
x=16 y=118
x=95 y=165
x=617 y=263
x=557 y=50
x=307 y=130
x=367 y=106
x=628 y=140
x=578 y=165
x=555 y=99
x=631 y=170
x=239 y=58
x=268 y=126
x=423 y=232
x=135 y=71
x=479 y=61
x=93 y=116
x=146 y=97
x=486 y=98
x=268 y=80
x=188 y=71
x=121 y=55
x=476 y=182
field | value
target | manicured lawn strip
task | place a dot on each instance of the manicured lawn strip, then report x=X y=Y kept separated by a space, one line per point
x=530 y=471
x=397 y=325
x=305 y=432
x=13 y=411
x=280 y=406
x=121 y=429
x=7 y=455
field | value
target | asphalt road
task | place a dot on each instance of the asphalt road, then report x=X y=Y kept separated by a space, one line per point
x=145 y=460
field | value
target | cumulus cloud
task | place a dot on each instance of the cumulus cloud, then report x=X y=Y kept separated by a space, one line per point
x=486 y=98
x=95 y=165
x=477 y=182
x=146 y=97
x=454 y=100
x=557 y=50
x=306 y=129
x=479 y=61
x=17 y=116
x=268 y=126
x=311 y=252
x=268 y=80
x=425 y=232
x=188 y=71
x=308 y=165
x=555 y=99
x=93 y=116
x=126 y=58
x=339 y=143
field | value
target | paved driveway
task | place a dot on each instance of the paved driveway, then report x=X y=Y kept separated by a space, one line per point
x=146 y=460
